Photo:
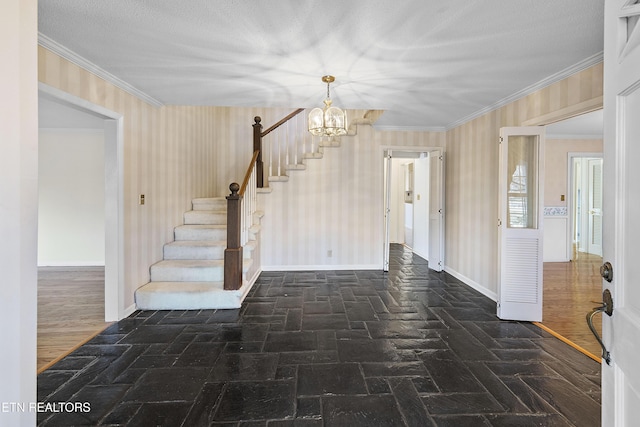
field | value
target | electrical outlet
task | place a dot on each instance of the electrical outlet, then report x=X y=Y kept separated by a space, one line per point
x=141 y=199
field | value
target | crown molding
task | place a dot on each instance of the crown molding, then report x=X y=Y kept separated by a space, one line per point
x=73 y=57
x=410 y=128
x=548 y=136
x=554 y=78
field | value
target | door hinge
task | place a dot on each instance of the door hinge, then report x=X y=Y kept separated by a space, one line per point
x=441 y=157
x=500 y=140
x=499 y=222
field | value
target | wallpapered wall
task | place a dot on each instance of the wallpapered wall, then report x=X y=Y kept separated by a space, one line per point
x=335 y=205
x=556 y=156
x=472 y=176
x=175 y=153
x=170 y=156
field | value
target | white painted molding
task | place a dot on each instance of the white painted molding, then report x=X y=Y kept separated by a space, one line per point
x=475 y=285
x=252 y=280
x=573 y=110
x=72 y=130
x=73 y=57
x=411 y=128
x=565 y=136
x=71 y=264
x=554 y=78
x=127 y=312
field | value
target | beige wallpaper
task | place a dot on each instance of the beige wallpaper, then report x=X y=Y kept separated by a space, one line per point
x=335 y=205
x=556 y=163
x=174 y=153
x=472 y=175
x=168 y=156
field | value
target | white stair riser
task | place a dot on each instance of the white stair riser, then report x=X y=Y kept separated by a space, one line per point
x=199 y=253
x=188 y=296
x=205 y=217
x=191 y=271
x=193 y=252
x=200 y=233
x=213 y=204
x=187 y=274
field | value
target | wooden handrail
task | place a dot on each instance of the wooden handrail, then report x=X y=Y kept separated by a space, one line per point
x=233 y=258
x=283 y=121
x=247 y=176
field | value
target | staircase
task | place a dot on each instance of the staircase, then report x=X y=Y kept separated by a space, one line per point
x=191 y=275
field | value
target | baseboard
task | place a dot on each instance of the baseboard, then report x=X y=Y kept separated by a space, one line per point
x=128 y=311
x=321 y=267
x=72 y=264
x=253 y=278
x=421 y=255
x=556 y=260
x=472 y=284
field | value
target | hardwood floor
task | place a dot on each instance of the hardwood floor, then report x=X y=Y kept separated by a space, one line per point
x=570 y=289
x=70 y=310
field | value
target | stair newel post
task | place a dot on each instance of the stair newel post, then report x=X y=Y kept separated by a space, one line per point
x=257 y=146
x=233 y=252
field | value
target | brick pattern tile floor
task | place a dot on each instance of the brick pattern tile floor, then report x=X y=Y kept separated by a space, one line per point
x=411 y=347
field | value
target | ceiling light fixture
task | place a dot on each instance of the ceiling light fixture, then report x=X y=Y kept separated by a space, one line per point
x=328 y=121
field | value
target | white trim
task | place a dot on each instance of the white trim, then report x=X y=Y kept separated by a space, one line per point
x=576 y=136
x=73 y=57
x=571 y=156
x=72 y=130
x=548 y=81
x=129 y=311
x=325 y=267
x=251 y=281
x=114 y=190
x=472 y=284
x=411 y=128
x=573 y=110
x=554 y=116
x=72 y=264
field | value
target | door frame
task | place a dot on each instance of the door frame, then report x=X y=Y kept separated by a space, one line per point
x=114 y=197
x=387 y=183
x=572 y=197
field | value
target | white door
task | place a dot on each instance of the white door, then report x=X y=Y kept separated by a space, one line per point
x=594 y=245
x=621 y=210
x=387 y=208
x=436 y=210
x=520 y=223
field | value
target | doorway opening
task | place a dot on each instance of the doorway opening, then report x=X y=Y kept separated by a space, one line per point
x=80 y=212
x=573 y=226
x=585 y=209
x=414 y=208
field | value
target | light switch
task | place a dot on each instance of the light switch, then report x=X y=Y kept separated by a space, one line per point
x=562 y=197
x=141 y=200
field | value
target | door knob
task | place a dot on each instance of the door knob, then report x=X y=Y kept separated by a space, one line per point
x=607 y=308
x=606 y=271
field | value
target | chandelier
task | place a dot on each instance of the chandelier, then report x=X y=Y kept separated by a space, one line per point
x=328 y=121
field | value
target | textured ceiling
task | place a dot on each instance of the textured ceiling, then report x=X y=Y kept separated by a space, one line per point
x=427 y=63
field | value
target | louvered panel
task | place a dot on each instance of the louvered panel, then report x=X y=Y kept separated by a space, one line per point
x=521 y=270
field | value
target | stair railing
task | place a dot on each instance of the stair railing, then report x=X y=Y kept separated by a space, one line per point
x=240 y=215
x=279 y=153
x=239 y=222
